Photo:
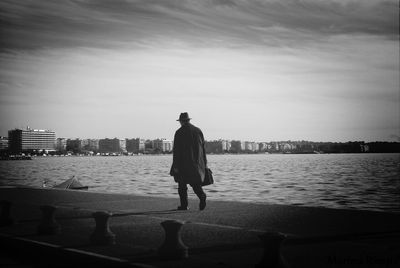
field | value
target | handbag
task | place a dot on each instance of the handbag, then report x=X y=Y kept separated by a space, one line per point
x=208 y=177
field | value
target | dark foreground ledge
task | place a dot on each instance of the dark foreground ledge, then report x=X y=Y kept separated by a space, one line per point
x=225 y=234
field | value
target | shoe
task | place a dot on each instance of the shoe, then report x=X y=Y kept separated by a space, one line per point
x=182 y=208
x=202 y=204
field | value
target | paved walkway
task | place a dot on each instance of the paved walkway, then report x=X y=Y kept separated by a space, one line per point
x=225 y=234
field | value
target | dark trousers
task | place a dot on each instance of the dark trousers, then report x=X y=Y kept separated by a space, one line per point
x=183 y=195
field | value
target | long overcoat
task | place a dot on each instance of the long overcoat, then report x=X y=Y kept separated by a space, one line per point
x=189 y=155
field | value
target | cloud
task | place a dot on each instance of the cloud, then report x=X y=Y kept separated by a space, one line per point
x=136 y=23
x=286 y=62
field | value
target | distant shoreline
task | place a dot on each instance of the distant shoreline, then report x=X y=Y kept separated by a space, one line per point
x=30 y=157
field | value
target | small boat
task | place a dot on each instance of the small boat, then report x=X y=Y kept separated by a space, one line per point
x=71 y=183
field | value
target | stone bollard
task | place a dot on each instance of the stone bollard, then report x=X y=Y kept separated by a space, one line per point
x=102 y=234
x=272 y=251
x=5 y=218
x=173 y=247
x=48 y=225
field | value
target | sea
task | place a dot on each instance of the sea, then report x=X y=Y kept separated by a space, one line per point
x=345 y=181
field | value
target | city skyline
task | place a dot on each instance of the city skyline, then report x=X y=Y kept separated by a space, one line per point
x=243 y=70
x=45 y=142
x=171 y=139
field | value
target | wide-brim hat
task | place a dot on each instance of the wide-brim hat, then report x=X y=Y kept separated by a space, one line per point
x=184 y=117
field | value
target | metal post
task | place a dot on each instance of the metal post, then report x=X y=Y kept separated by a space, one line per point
x=102 y=234
x=48 y=225
x=173 y=247
x=5 y=218
x=272 y=251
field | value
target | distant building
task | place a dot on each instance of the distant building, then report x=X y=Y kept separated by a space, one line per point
x=93 y=145
x=85 y=143
x=148 y=145
x=162 y=145
x=264 y=147
x=276 y=146
x=237 y=146
x=305 y=147
x=90 y=145
x=74 y=145
x=286 y=147
x=31 y=140
x=255 y=147
x=250 y=146
x=364 y=148
x=218 y=146
x=61 y=144
x=112 y=145
x=226 y=145
x=135 y=145
x=247 y=146
x=3 y=144
x=215 y=147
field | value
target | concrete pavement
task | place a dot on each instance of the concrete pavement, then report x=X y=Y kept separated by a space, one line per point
x=225 y=234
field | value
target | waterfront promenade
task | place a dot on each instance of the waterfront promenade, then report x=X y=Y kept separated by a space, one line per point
x=225 y=234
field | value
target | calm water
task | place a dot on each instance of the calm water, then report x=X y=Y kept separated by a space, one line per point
x=357 y=181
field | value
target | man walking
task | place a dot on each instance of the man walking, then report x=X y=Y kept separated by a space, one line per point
x=189 y=161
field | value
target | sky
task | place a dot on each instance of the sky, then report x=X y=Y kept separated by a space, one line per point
x=255 y=70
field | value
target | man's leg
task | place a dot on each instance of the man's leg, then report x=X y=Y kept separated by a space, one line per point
x=183 y=196
x=198 y=190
